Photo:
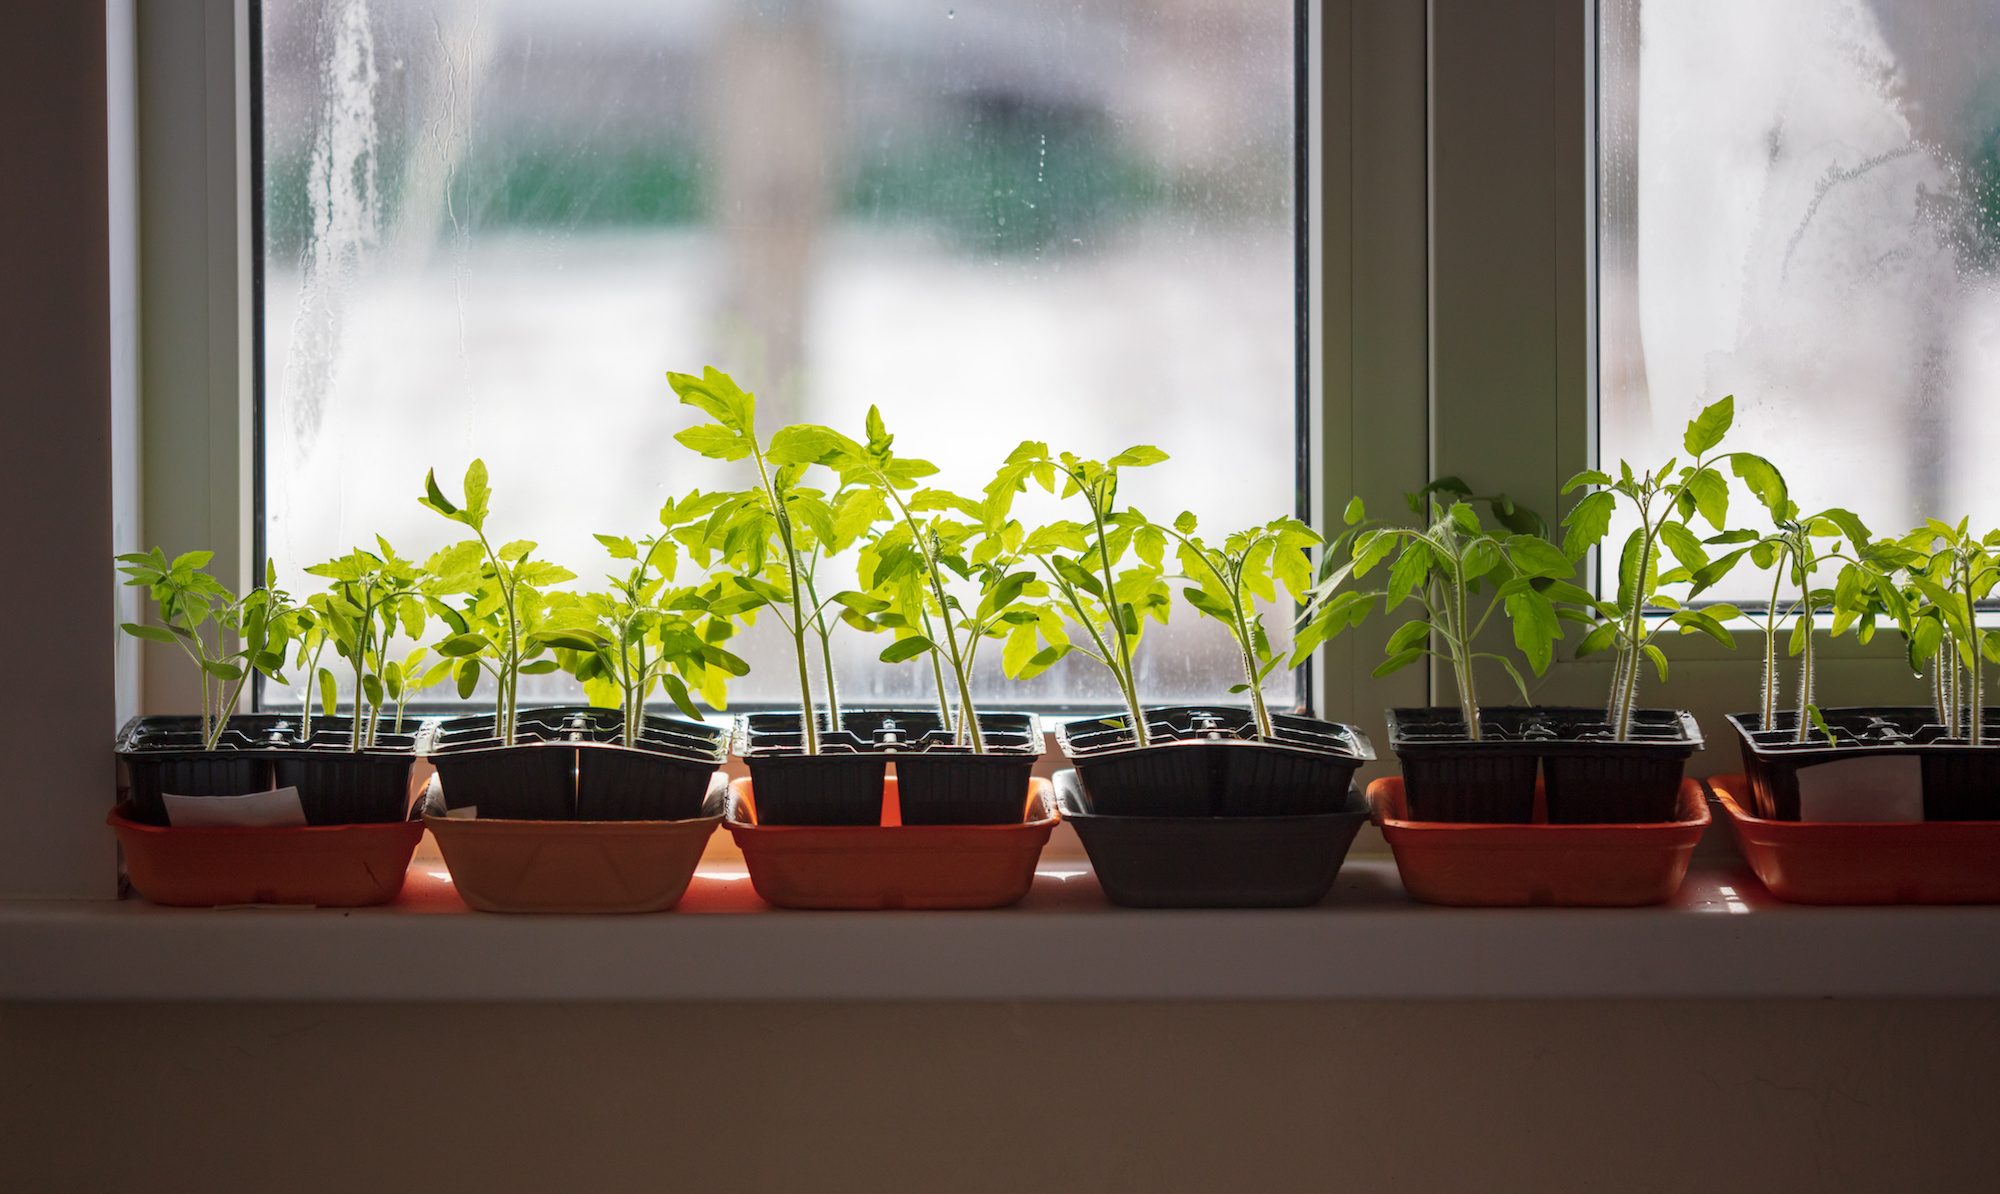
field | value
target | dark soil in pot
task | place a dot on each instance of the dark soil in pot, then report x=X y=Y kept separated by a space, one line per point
x=1961 y=782
x=1206 y=761
x=1589 y=777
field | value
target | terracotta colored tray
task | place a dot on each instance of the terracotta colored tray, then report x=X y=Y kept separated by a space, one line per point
x=327 y=866
x=1839 y=862
x=891 y=865
x=1516 y=866
x=572 y=866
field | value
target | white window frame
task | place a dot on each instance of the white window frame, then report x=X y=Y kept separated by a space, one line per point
x=1452 y=263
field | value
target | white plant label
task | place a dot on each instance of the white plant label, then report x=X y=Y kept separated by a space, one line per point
x=1868 y=788
x=276 y=809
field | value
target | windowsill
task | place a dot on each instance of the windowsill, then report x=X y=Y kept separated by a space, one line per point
x=1721 y=937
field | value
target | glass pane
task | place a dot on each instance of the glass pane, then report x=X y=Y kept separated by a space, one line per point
x=1800 y=205
x=491 y=228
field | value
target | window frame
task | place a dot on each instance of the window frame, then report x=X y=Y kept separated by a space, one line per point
x=249 y=551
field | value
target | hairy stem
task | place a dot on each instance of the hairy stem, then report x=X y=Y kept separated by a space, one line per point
x=1769 y=714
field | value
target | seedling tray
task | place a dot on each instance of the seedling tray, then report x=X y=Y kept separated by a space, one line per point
x=1206 y=761
x=891 y=865
x=1881 y=862
x=1539 y=864
x=331 y=866
x=1589 y=777
x=941 y=782
x=261 y=751
x=1961 y=782
x=574 y=866
x=1212 y=862
x=567 y=764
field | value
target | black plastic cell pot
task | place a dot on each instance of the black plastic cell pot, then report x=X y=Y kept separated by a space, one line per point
x=1206 y=761
x=1212 y=862
x=1961 y=782
x=963 y=789
x=938 y=781
x=341 y=786
x=571 y=763
x=662 y=773
x=1588 y=776
x=261 y=751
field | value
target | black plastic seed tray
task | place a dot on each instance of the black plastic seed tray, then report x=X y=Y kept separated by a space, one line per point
x=939 y=781
x=1212 y=862
x=1961 y=782
x=260 y=751
x=1589 y=777
x=1206 y=761
x=569 y=762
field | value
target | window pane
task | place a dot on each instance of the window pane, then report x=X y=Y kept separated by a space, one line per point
x=490 y=229
x=1800 y=205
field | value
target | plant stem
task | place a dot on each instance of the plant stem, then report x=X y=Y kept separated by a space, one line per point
x=1769 y=715
x=808 y=724
x=1127 y=680
x=937 y=676
x=1804 y=730
x=1622 y=727
x=1976 y=716
x=1461 y=656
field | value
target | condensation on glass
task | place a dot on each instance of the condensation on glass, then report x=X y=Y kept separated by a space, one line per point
x=1799 y=204
x=491 y=228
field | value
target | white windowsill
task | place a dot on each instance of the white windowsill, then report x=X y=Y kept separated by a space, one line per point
x=1721 y=937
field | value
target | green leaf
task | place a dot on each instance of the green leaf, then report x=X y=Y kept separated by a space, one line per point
x=1708 y=427
x=329 y=692
x=1764 y=481
x=1599 y=639
x=152 y=634
x=1535 y=627
x=1711 y=496
x=1353 y=514
x=462 y=645
x=1659 y=659
x=1409 y=634
x=1587 y=523
x=540 y=667
x=1137 y=456
x=861 y=603
x=1409 y=571
x=717 y=395
x=468 y=677
x=1684 y=544
x=222 y=669
x=716 y=443
x=1589 y=476
x=906 y=648
x=1535 y=556
x=478 y=494
x=1398 y=661
x=435 y=498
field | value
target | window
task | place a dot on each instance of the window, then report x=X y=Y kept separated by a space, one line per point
x=488 y=229
x=1800 y=204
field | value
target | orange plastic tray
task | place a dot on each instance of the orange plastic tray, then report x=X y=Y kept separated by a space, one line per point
x=1844 y=862
x=891 y=865
x=571 y=866
x=1517 y=866
x=327 y=866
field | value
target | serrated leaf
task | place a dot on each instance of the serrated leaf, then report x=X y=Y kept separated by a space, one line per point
x=1706 y=429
